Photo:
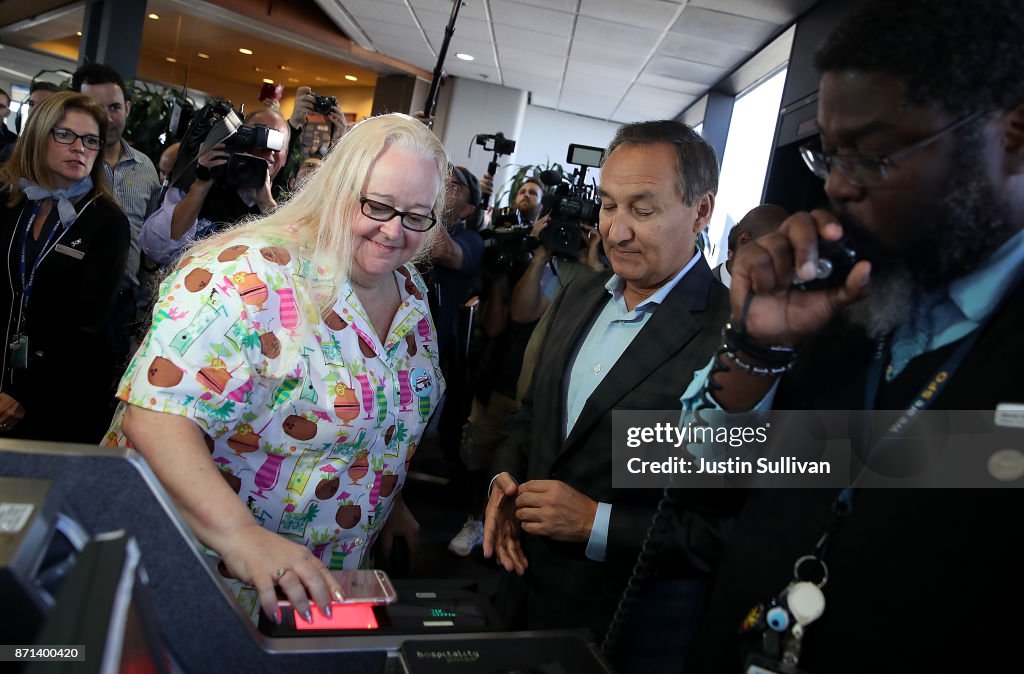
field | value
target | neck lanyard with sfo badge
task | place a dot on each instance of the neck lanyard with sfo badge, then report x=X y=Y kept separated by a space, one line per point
x=782 y=620
x=19 y=342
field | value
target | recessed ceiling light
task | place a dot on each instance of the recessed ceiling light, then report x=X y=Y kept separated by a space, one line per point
x=202 y=55
x=267 y=80
x=243 y=50
x=283 y=68
x=292 y=79
x=79 y=33
x=319 y=79
x=463 y=57
x=153 y=16
x=351 y=78
x=171 y=59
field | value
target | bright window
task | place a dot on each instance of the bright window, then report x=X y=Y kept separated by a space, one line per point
x=745 y=164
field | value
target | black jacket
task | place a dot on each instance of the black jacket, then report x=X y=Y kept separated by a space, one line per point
x=920 y=580
x=562 y=587
x=66 y=388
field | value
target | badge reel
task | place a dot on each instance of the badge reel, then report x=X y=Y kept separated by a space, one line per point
x=781 y=621
x=19 y=352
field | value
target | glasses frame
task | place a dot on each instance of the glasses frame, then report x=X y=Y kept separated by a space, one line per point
x=822 y=163
x=54 y=130
x=363 y=200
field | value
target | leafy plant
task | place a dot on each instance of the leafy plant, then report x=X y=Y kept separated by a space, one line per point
x=151 y=111
x=524 y=171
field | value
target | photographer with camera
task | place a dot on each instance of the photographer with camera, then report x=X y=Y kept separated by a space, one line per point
x=307 y=102
x=212 y=202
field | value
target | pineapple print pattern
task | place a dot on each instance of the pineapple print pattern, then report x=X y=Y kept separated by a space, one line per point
x=303 y=412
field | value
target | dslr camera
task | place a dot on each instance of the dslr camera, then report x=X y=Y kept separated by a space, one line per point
x=571 y=203
x=324 y=104
x=512 y=246
x=217 y=122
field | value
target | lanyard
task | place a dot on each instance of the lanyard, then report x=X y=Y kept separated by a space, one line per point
x=801 y=602
x=26 y=284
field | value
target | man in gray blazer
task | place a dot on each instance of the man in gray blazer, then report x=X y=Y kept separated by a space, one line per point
x=621 y=340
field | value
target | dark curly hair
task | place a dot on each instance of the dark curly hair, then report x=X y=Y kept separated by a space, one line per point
x=956 y=55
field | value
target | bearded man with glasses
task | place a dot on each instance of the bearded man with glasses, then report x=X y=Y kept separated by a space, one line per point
x=921 y=113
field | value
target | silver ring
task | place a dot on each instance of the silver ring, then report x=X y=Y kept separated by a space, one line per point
x=279 y=573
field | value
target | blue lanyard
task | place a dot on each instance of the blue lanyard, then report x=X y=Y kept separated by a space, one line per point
x=26 y=284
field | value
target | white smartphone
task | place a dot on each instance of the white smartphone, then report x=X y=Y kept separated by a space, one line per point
x=365 y=586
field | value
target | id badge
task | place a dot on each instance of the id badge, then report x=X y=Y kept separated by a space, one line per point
x=19 y=352
x=759 y=664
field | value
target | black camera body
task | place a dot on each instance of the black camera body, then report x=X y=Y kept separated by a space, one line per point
x=324 y=104
x=572 y=203
x=217 y=122
x=511 y=247
x=500 y=144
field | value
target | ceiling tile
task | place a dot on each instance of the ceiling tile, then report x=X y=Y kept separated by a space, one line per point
x=685 y=70
x=551 y=67
x=595 y=73
x=469 y=10
x=671 y=83
x=509 y=36
x=434 y=24
x=699 y=50
x=381 y=11
x=534 y=18
x=613 y=35
x=386 y=35
x=652 y=14
x=617 y=58
x=727 y=28
x=560 y=5
x=779 y=12
x=661 y=98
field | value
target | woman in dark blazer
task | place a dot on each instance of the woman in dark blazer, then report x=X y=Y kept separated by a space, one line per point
x=64 y=243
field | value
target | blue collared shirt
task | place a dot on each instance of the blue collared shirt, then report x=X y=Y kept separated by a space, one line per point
x=611 y=333
x=133 y=181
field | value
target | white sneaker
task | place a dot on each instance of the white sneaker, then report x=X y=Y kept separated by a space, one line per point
x=470 y=536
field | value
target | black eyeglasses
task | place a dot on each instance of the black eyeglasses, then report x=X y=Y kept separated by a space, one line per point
x=68 y=137
x=863 y=171
x=375 y=210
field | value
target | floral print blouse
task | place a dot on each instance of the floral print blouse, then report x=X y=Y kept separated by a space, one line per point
x=312 y=421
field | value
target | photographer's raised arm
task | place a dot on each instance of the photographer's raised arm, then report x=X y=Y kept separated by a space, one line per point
x=186 y=213
x=528 y=302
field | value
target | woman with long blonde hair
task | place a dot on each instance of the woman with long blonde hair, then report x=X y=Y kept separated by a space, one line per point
x=65 y=241
x=290 y=370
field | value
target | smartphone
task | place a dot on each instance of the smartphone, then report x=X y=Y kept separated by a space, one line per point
x=835 y=260
x=365 y=586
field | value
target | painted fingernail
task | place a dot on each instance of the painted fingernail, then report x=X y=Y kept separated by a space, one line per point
x=809 y=270
x=277 y=616
x=338 y=595
x=327 y=610
x=307 y=616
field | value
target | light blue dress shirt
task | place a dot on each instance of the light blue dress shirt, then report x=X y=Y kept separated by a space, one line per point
x=610 y=334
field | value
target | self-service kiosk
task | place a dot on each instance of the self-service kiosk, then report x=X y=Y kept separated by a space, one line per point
x=92 y=548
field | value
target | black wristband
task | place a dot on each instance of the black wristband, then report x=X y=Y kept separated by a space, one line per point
x=203 y=173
